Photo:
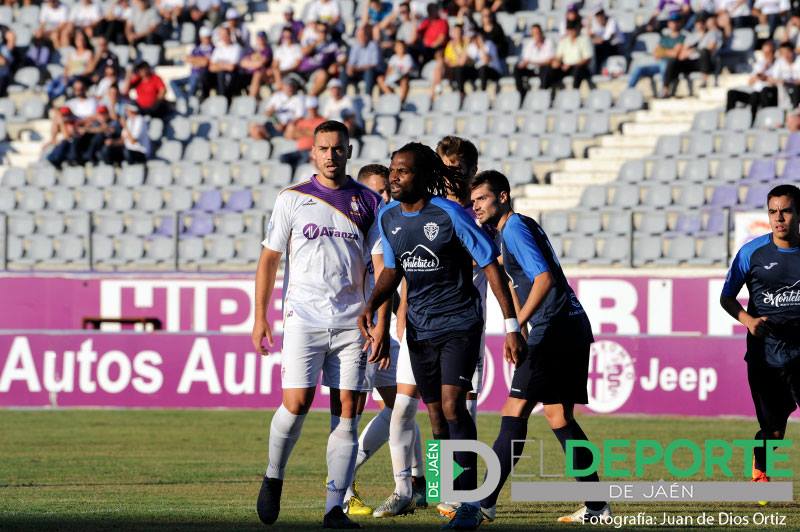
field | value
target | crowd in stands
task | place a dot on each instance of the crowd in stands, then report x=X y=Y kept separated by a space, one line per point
x=97 y=118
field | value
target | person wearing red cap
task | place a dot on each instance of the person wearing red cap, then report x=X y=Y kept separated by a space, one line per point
x=103 y=128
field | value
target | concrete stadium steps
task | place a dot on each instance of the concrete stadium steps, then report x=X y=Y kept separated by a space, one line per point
x=634 y=139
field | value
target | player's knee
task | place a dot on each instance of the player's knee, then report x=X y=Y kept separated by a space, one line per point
x=451 y=407
x=298 y=405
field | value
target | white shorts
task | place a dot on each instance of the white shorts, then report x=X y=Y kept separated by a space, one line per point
x=337 y=353
x=379 y=378
x=406 y=376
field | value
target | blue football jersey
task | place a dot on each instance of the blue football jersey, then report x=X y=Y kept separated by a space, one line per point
x=434 y=248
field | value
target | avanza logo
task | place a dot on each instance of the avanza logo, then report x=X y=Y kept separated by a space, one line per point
x=313 y=231
x=784 y=297
x=420 y=259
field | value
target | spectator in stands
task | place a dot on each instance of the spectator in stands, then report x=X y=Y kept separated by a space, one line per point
x=493 y=31
x=771 y=12
x=430 y=36
x=327 y=11
x=115 y=103
x=338 y=102
x=760 y=92
x=483 y=54
x=143 y=24
x=572 y=15
x=64 y=129
x=658 y=19
x=288 y=55
x=786 y=74
x=493 y=5
x=537 y=54
x=606 y=38
x=113 y=24
x=302 y=131
x=84 y=16
x=398 y=71
x=294 y=25
x=322 y=58
x=205 y=10
x=464 y=14
x=697 y=54
x=53 y=23
x=364 y=62
x=457 y=66
x=102 y=58
x=100 y=89
x=224 y=64
x=732 y=14
x=573 y=55
x=150 y=90
x=377 y=15
x=6 y=65
x=403 y=24
x=38 y=55
x=255 y=65
x=171 y=12
x=239 y=32
x=133 y=145
x=99 y=129
x=198 y=59
x=77 y=65
x=80 y=105
x=283 y=107
x=669 y=47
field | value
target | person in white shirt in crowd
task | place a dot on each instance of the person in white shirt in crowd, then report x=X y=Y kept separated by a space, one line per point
x=283 y=107
x=337 y=103
x=537 y=54
x=135 y=139
x=288 y=55
x=398 y=71
x=100 y=90
x=732 y=14
x=54 y=23
x=573 y=55
x=327 y=11
x=81 y=105
x=784 y=74
x=485 y=59
x=84 y=15
x=606 y=38
x=224 y=63
x=239 y=32
x=759 y=93
x=771 y=12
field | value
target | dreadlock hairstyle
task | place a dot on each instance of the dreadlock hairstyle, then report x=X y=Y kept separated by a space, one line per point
x=428 y=167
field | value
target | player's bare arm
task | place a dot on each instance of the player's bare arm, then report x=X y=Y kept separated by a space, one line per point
x=387 y=283
x=514 y=343
x=379 y=333
x=756 y=326
x=541 y=285
x=267 y=270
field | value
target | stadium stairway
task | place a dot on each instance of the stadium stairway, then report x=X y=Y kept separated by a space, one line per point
x=599 y=162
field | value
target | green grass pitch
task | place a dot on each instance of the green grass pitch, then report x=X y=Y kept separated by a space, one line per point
x=201 y=470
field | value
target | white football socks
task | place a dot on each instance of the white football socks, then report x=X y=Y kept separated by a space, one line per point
x=283 y=433
x=342 y=450
x=372 y=438
x=401 y=442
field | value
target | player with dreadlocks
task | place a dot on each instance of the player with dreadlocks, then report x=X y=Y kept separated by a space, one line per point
x=431 y=242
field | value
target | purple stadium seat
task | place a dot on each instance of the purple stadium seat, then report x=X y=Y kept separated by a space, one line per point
x=792 y=147
x=166 y=228
x=725 y=196
x=715 y=224
x=761 y=171
x=688 y=223
x=792 y=169
x=756 y=197
x=209 y=201
x=202 y=224
x=239 y=201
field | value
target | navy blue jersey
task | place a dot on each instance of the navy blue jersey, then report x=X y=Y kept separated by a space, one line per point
x=434 y=248
x=772 y=276
x=527 y=253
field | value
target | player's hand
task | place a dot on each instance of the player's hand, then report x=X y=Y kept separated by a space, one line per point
x=380 y=347
x=513 y=348
x=261 y=330
x=365 y=325
x=758 y=327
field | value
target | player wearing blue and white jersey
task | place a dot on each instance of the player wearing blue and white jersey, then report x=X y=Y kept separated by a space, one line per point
x=554 y=369
x=328 y=226
x=431 y=243
x=770 y=267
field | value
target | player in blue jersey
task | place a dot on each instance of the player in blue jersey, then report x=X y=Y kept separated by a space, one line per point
x=770 y=267
x=554 y=369
x=431 y=242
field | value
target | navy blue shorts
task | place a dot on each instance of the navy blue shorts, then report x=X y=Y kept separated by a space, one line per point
x=447 y=359
x=776 y=392
x=553 y=371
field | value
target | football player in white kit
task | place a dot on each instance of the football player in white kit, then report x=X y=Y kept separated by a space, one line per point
x=327 y=224
x=384 y=383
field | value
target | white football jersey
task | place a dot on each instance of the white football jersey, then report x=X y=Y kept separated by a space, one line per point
x=330 y=236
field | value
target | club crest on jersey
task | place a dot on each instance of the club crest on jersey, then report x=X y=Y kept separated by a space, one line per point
x=354 y=204
x=431 y=229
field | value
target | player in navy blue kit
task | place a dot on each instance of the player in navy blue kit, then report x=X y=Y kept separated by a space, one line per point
x=770 y=267
x=431 y=243
x=554 y=369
